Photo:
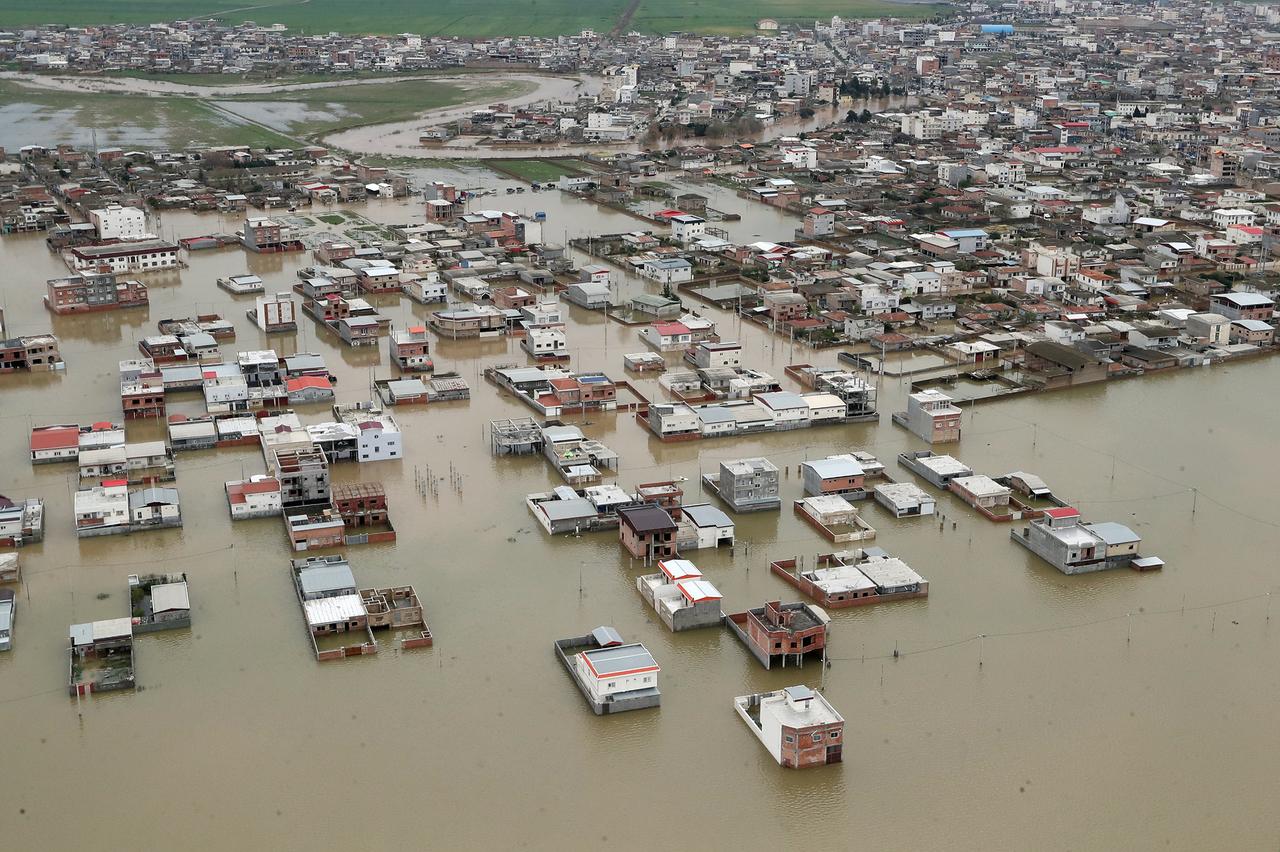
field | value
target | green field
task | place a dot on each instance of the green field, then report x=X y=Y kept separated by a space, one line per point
x=37 y=116
x=460 y=17
x=536 y=170
x=30 y=115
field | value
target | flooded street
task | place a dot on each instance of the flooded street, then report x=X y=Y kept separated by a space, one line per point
x=1110 y=711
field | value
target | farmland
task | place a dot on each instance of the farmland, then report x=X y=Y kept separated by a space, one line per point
x=279 y=119
x=463 y=17
x=537 y=170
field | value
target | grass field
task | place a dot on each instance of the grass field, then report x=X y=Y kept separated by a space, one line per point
x=31 y=115
x=536 y=170
x=459 y=17
x=37 y=116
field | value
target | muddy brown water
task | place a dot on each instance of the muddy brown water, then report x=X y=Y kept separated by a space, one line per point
x=1084 y=727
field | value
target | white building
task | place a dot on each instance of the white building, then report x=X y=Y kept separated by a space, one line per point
x=616 y=670
x=686 y=227
x=275 y=313
x=255 y=497
x=379 y=437
x=905 y=499
x=114 y=222
x=667 y=270
x=797 y=726
x=102 y=509
x=545 y=342
x=1224 y=217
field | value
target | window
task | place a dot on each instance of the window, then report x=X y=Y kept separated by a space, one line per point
x=789 y=738
x=817 y=738
x=611 y=684
x=835 y=735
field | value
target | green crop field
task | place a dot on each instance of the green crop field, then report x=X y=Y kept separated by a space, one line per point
x=31 y=115
x=461 y=17
x=536 y=170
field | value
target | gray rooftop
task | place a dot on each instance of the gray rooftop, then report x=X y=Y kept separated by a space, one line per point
x=619 y=658
x=326 y=578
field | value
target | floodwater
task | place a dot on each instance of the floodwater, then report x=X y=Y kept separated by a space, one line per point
x=1115 y=711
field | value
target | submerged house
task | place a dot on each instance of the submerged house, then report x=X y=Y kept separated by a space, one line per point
x=613 y=676
x=931 y=416
x=746 y=485
x=778 y=632
x=100 y=657
x=840 y=474
x=680 y=596
x=797 y=726
x=905 y=499
x=647 y=532
x=159 y=602
x=1063 y=540
x=326 y=590
x=853 y=578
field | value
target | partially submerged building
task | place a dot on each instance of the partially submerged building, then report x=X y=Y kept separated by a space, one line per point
x=835 y=518
x=159 y=602
x=566 y=510
x=746 y=485
x=935 y=469
x=21 y=522
x=613 y=676
x=8 y=612
x=332 y=605
x=797 y=725
x=905 y=499
x=931 y=416
x=647 y=532
x=1063 y=540
x=255 y=497
x=853 y=578
x=778 y=632
x=100 y=656
x=838 y=474
x=681 y=597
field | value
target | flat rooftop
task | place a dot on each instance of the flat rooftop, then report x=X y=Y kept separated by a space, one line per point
x=620 y=659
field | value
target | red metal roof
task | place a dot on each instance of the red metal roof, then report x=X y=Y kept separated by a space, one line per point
x=54 y=437
x=306 y=382
x=1063 y=512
